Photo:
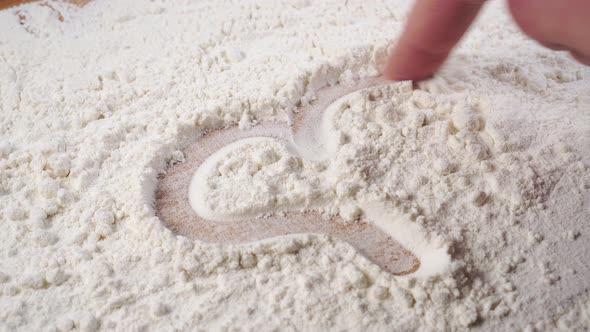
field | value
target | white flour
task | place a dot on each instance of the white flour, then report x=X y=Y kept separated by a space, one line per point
x=492 y=156
x=257 y=176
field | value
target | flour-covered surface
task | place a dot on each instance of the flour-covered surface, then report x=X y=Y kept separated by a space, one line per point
x=93 y=106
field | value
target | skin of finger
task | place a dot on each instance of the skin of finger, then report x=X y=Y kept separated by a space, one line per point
x=581 y=58
x=434 y=27
x=564 y=22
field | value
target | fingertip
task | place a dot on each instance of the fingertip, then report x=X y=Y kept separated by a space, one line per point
x=410 y=62
x=432 y=30
x=407 y=74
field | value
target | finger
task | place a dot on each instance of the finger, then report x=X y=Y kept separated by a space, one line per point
x=434 y=27
x=550 y=22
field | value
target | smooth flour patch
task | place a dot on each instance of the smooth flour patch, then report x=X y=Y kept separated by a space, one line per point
x=492 y=156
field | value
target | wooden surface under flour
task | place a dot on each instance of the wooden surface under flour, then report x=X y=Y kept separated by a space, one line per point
x=174 y=210
x=10 y=3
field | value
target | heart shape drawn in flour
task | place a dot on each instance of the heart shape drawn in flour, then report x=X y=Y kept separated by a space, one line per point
x=266 y=182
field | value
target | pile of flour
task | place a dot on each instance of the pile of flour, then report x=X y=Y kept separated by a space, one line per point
x=492 y=156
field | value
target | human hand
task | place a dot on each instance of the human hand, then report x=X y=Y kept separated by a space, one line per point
x=436 y=26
